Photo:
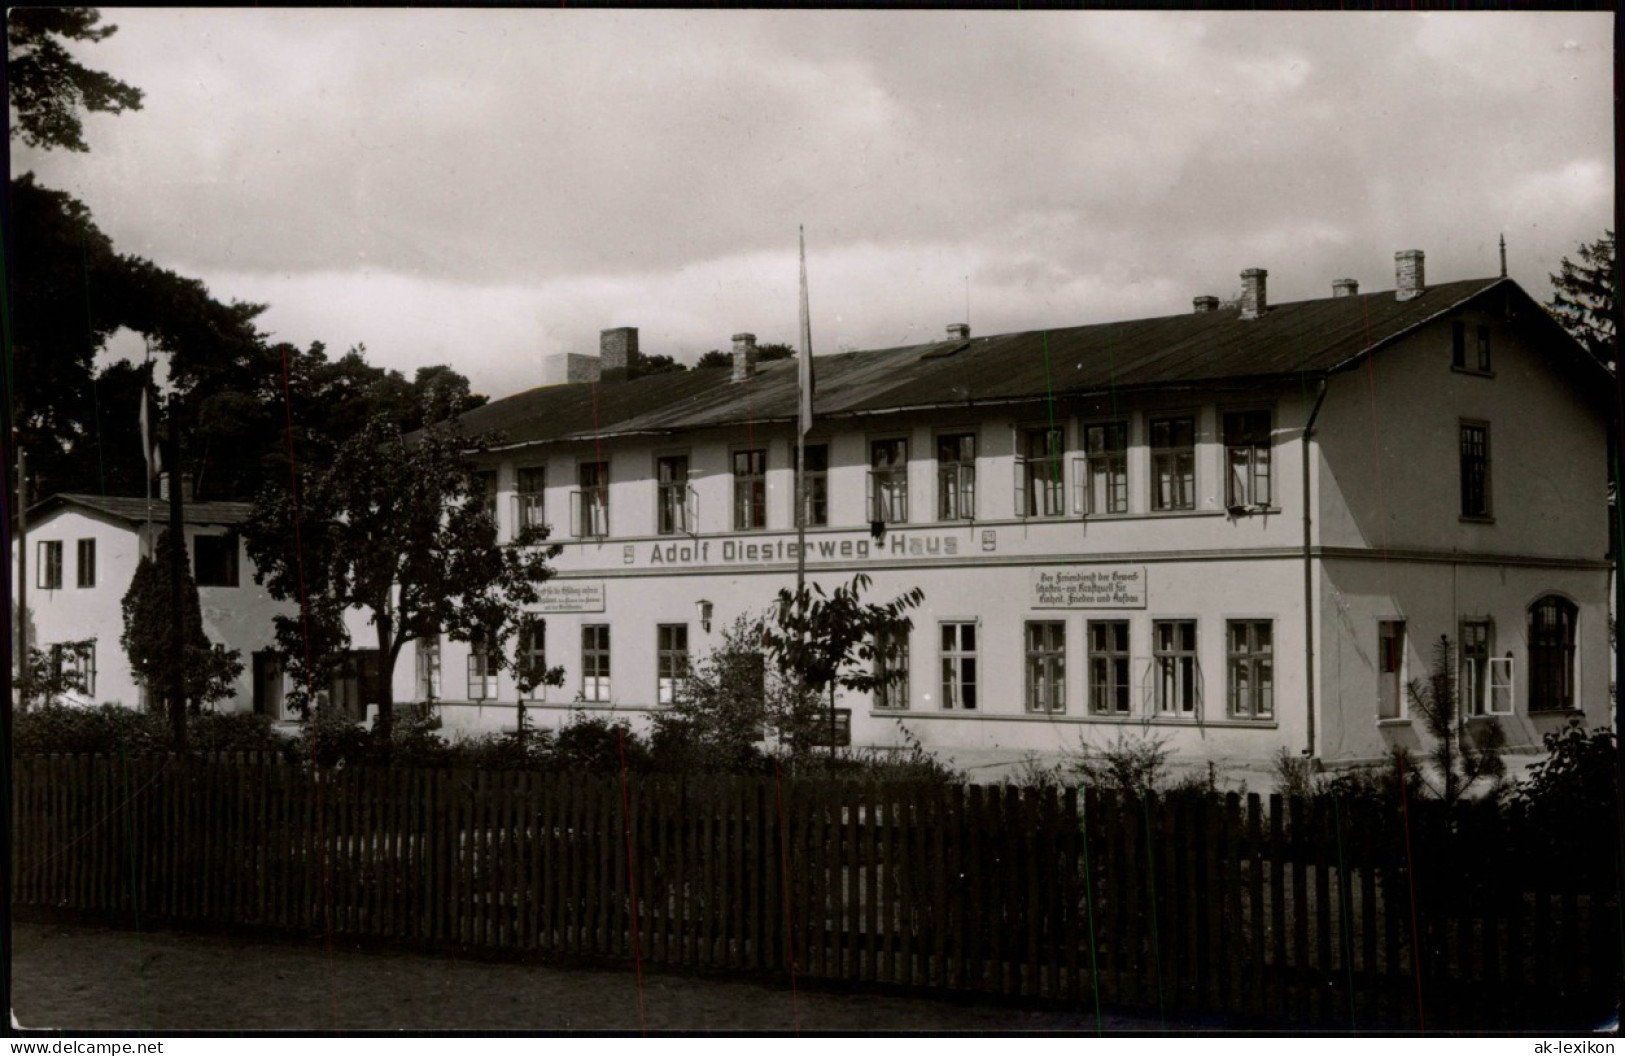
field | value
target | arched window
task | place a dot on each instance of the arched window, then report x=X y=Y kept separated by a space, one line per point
x=1551 y=654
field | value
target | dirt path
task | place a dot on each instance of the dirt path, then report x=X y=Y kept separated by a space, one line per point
x=84 y=978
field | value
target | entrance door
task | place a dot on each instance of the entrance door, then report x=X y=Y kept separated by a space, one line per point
x=268 y=684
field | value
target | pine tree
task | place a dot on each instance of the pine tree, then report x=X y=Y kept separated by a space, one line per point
x=1585 y=296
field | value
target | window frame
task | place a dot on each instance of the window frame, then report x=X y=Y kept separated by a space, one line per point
x=428 y=668
x=85 y=577
x=1473 y=664
x=1247 y=496
x=816 y=513
x=1464 y=454
x=1117 y=483
x=591 y=654
x=671 y=663
x=956 y=477
x=48 y=564
x=481 y=665
x=529 y=503
x=1539 y=659
x=583 y=519
x=954 y=660
x=1118 y=685
x=489 y=483
x=1258 y=664
x=531 y=626
x=1053 y=491
x=674 y=510
x=1392 y=680
x=893 y=480
x=1174 y=662
x=80 y=661
x=1044 y=666
x=752 y=505
x=229 y=547
x=1157 y=454
x=892 y=695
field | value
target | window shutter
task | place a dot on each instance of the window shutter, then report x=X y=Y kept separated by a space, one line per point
x=1080 y=487
x=691 y=511
x=1499 y=691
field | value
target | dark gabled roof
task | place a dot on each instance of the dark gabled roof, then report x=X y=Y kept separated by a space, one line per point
x=1304 y=339
x=134 y=509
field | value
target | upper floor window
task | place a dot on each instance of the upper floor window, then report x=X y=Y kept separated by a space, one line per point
x=1551 y=653
x=888 y=481
x=485 y=486
x=87 y=562
x=671 y=655
x=1478 y=357
x=956 y=476
x=1174 y=653
x=1475 y=469
x=1046 y=665
x=815 y=459
x=530 y=500
x=1041 y=473
x=595 y=662
x=214 y=560
x=1247 y=458
x=592 y=500
x=1104 y=480
x=50 y=565
x=750 y=489
x=672 y=515
x=1108 y=667
x=1173 y=463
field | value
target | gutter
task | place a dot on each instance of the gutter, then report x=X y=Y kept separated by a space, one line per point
x=1309 y=582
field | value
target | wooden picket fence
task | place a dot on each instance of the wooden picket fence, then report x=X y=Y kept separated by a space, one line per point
x=1268 y=911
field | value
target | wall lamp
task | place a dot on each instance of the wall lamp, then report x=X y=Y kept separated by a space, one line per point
x=705 y=614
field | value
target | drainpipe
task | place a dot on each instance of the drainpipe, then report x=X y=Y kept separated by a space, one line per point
x=1309 y=582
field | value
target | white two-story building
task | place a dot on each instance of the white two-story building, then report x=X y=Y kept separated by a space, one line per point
x=1241 y=527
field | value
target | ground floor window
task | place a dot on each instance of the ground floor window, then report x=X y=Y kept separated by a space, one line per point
x=1473 y=682
x=1108 y=667
x=671 y=653
x=428 y=667
x=1551 y=654
x=595 y=663
x=958 y=664
x=891 y=671
x=1174 y=653
x=531 y=663
x=268 y=684
x=1251 y=669
x=355 y=683
x=74 y=666
x=1390 y=669
x=1046 y=666
x=482 y=673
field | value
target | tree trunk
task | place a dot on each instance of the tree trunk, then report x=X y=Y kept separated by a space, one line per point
x=383 y=678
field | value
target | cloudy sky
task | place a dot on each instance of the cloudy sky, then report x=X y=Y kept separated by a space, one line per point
x=488 y=187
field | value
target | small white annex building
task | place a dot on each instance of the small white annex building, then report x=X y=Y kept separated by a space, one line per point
x=83 y=553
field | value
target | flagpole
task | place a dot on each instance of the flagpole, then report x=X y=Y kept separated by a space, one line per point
x=146 y=449
x=803 y=423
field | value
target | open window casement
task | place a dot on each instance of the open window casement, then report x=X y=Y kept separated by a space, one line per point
x=1082 y=505
x=1498 y=688
x=691 y=511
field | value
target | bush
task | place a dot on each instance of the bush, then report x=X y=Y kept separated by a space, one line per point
x=1570 y=799
x=593 y=744
x=1295 y=774
x=111 y=730
x=1131 y=766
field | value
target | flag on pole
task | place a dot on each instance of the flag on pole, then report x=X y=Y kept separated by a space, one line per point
x=806 y=372
x=155 y=461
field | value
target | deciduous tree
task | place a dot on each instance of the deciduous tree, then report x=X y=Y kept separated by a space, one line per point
x=395 y=526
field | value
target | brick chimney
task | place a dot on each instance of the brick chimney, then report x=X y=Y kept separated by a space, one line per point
x=188 y=486
x=1254 y=303
x=1409 y=280
x=1205 y=303
x=1345 y=287
x=618 y=353
x=744 y=357
x=959 y=331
